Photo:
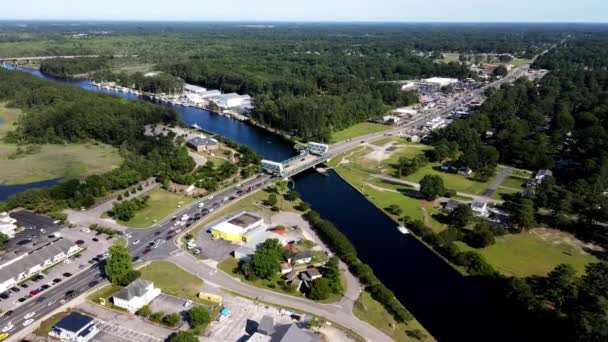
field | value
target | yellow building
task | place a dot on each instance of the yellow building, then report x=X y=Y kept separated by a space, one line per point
x=234 y=229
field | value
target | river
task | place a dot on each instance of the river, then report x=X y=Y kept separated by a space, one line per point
x=450 y=306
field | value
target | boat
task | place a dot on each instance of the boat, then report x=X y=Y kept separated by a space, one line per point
x=195 y=126
x=403 y=230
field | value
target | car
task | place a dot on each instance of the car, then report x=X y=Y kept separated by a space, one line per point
x=188 y=304
x=136 y=242
x=146 y=251
x=82 y=267
x=3 y=336
x=77 y=256
x=62 y=301
x=38 y=277
x=29 y=315
x=22 y=299
x=95 y=239
x=40 y=299
x=4 y=295
x=34 y=292
x=42 y=230
x=56 y=280
x=136 y=258
x=128 y=235
x=178 y=231
x=110 y=237
x=28 y=322
x=8 y=327
x=67 y=261
x=196 y=251
x=15 y=289
x=157 y=233
x=93 y=283
x=24 y=285
x=7 y=314
x=79 y=242
x=45 y=286
x=67 y=274
x=71 y=293
x=51 y=302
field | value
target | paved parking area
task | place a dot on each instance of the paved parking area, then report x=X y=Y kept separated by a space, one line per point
x=37 y=229
x=168 y=304
x=217 y=250
x=77 y=265
x=116 y=326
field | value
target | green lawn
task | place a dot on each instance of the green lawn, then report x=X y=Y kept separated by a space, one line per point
x=514 y=182
x=160 y=205
x=451 y=181
x=369 y=310
x=500 y=191
x=173 y=280
x=54 y=161
x=358 y=130
x=527 y=254
x=106 y=293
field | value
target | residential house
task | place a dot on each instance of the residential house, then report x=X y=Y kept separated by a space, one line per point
x=285 y=267
x=541 y=174
x=450 y=205
x=75 y=327
x=300 y=258
x=313 y=273
x=266 y=326
x=465 y=171
x=135 y=295
x=202 y=143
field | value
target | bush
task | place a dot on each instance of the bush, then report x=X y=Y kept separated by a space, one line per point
x=198 y=316
x=184 y=336
x=171 y=319
x=157 y=316
x=145 y=311
x=304 y=206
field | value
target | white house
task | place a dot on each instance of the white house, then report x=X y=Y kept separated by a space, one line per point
x=75 y=327
x=480 y=209
x=7 y=225
x=299 y=258
x=136 y=295
x=541 y=174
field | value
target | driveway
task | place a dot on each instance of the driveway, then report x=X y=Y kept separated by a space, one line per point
x=500 y=177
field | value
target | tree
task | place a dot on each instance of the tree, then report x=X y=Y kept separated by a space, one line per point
x=560 y=285
x=522 y=211
x=481 y=236
x=119 y=265
x=265 y=262
x=292 y=195
x=320 y=289
x=184 y=336
x=3 y=239
x=303 y=206
x=461 y=216
x=394 y=209
x=501 y=70
x=198 y=316
x=171 y=319
x=431 y=186
x=145 y=311
x=272 y=200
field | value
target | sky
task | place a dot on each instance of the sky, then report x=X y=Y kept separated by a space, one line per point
x=310 y=10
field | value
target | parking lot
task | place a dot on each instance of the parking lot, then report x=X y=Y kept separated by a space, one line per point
x=217 y=250
x=60 y=272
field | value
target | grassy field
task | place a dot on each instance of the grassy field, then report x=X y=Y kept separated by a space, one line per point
x=55 y=161
x=160 y=205
x=527 y=254
x=173 y=280
x=359 y=129
x=450 y=57
x=106 y=293
x=8 y=116
x=369 y=310
x=47 y=325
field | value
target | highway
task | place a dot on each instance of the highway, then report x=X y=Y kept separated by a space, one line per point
x=83 y=281
x=467 y=97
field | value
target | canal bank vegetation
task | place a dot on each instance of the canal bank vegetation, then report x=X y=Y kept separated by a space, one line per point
x=343 y=248
x=68 y=68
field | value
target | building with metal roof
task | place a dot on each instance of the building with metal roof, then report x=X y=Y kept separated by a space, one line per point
x=75 y=327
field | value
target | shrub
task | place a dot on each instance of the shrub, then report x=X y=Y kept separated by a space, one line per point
x=145 y=311
x=171 y=319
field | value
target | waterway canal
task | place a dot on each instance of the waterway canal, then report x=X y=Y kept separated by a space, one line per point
x=450 y=306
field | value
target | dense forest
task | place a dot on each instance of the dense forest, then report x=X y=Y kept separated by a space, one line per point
x=307 y=79
x=70 y=67
x=55 y=113
x=156 y=83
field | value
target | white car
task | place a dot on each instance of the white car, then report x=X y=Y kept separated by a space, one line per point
x=29 y=315
x=200 y=205
x=128 y=235
x=51 y=302
x=67 y=261
x=42 y=230
x=8 y=327
x=136 y=242
x=188 y=304
x=28 y=322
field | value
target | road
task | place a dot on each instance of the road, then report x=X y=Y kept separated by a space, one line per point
x=80 y=282
x=470 y=96
x=339 y=313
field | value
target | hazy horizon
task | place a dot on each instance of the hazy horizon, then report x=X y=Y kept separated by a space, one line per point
x=338 y=11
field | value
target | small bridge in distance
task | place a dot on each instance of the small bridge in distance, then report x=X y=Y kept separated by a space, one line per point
x=311 y=155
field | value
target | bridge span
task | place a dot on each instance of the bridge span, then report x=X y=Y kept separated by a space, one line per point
x=311 y=155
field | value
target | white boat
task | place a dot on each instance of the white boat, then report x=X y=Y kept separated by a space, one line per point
x=196 y=126
x=403 y=230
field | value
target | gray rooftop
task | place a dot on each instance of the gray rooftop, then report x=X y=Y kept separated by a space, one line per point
x=266 y=325
x=200 y=141
x=136 y=289
x=35 y=257
x=295 y=334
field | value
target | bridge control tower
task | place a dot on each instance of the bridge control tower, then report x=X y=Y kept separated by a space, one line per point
x=311 y=155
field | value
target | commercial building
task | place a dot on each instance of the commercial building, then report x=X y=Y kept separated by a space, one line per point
x=75 y=327
x=440 y=81
x=232 y=100
x=192 y=89
x=135 y=295
x=234 y=229
x=7 y=225
x=18 y=268
x=202 y=143
x=281 y=333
